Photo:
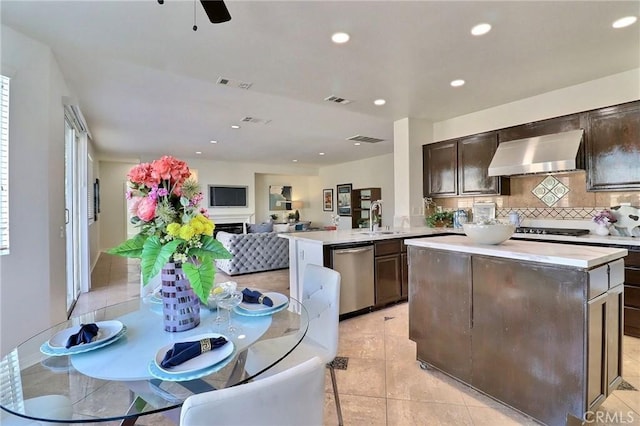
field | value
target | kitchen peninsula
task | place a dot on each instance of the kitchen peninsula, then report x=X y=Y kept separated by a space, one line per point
x=535 y=325
x=372 y=264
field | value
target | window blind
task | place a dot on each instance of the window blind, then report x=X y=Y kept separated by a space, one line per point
x=11 y=383
x=4 y=165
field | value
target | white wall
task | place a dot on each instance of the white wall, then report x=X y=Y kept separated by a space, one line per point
x=32 y=276
x=301 y=188
x=611 y=90
x=112 y=220
x=372 y=172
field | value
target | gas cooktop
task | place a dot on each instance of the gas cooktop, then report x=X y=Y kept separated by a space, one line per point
x=552 y=231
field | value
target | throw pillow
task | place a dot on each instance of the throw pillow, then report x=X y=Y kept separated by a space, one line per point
x=260 y=227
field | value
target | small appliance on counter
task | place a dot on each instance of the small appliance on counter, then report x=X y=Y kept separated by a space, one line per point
x=485 y=210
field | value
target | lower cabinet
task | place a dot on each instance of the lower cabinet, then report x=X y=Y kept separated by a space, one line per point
x=388 y=271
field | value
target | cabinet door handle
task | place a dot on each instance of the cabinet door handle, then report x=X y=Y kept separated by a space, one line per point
x=351 y=251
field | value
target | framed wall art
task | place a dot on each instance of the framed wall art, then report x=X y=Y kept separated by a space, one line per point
x=327 y=200
x=344 y=199
x=280 y=197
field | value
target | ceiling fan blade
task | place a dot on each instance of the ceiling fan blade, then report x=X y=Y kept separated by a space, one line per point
x=216 y=11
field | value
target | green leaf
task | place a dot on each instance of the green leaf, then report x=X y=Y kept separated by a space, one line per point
x=155 y=256
x=184 y=201
x=212 y=248
x=130 y=248
x=201 y=277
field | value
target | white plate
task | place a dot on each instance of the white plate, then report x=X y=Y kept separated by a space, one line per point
x=106 y=330
x=204 y=360
x=278 y=301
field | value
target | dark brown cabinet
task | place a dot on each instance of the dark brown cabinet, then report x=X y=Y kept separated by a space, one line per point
x=474 y=156
x=440 y=166
x=613 y=148
x=404 y=260
x=632 y=293
x=388 y=271
x=460 y=167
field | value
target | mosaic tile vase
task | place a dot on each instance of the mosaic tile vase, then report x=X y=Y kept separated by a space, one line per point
x=180 y=305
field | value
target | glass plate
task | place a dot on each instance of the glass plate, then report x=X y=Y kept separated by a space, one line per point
x=78 y=349
x=106 y=330
x=238 y=310
x=204 y=360
x=278 y=300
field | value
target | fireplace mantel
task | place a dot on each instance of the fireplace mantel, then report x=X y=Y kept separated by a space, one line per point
x=232 y=218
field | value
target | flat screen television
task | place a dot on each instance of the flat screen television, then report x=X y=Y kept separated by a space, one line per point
x=227 y=196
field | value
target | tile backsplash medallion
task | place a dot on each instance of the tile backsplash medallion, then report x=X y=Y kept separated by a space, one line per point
x=575 y=204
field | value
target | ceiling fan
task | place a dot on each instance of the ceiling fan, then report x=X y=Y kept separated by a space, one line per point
x=215 y=9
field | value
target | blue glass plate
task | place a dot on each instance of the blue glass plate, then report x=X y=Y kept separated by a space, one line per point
x=240 y=311
x=158 y=373
x=51 y=351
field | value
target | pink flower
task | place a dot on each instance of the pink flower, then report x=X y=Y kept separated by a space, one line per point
x=142 y=175
x=146 y=209
x=133 y=203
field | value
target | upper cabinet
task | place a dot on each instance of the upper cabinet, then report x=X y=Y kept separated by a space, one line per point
x=460 y=167
x=440 y=165
x=613 y=148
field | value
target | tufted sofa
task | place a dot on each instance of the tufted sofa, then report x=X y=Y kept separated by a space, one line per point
x=254 y=252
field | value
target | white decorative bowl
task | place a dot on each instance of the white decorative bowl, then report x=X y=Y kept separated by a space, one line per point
x=489 y=234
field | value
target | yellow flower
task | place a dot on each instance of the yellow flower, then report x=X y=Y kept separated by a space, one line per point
x=173 y=229
x=198 y=227
x=186 y=232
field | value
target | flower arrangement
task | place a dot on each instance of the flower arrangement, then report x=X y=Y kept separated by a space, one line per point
x=164 y=205
x=604 y=218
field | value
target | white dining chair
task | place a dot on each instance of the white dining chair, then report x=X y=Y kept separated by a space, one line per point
x=51 y=406
x=321 y=298
x=292 y=397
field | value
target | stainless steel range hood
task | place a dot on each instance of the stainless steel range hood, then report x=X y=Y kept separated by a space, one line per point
x=542 y=154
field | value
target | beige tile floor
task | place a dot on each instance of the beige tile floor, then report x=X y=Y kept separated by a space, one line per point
x=383 y=384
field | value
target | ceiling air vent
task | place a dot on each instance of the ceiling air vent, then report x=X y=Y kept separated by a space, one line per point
x=338 y=100
x=365 y=139
x=233 y=83
x=255 y=120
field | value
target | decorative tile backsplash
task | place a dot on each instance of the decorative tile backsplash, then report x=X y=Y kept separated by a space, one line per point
x=557 y=213
x=550 y=190
x=573 y=202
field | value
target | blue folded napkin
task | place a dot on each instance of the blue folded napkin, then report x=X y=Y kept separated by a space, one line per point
x=85 y=335
x=254 y=296
x=184 y=351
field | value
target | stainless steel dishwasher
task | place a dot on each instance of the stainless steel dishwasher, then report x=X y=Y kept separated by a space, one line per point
x=355 y=264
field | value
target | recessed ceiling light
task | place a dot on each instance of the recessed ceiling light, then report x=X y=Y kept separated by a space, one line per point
x=235 y=126
x=457 y=83
x=379 y=102
x=480 y=29
x=321 y=153
x=295 y=161
x=213 y=141
x=198 y=152
x=357 y=144
x=340 y=38
x=624 y=22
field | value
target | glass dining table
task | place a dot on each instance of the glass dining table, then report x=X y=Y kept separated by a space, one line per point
x=120 y=377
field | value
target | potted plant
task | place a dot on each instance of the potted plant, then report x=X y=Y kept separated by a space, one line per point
x=440 y=220
x=363 y=222
x=291 y=217
x=273 y=217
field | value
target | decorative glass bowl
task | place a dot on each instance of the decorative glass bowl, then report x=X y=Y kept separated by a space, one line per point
x=489 y=233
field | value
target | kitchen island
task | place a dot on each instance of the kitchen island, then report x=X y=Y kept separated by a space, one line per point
x=535 y=325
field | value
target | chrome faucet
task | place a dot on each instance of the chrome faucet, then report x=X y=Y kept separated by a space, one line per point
x=374 y=205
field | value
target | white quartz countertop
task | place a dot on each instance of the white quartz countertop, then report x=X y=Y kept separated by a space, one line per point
x=362 y=235
x=555 y=254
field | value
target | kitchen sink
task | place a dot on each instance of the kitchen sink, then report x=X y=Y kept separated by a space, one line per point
x=377 y=232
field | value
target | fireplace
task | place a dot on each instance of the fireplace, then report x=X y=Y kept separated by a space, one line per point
x=233 y=228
